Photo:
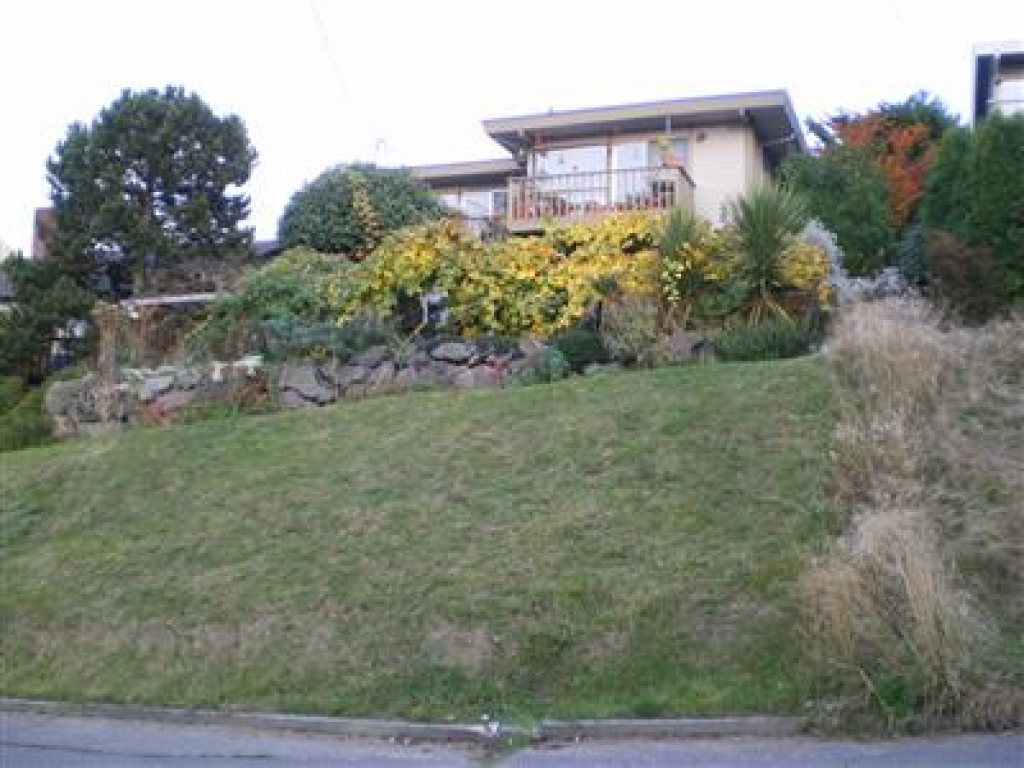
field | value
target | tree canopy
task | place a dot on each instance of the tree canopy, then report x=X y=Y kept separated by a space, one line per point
x=347 y=209
x=152 y=180
x=47 y=304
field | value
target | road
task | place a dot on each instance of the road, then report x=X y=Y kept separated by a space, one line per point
x=38 y=741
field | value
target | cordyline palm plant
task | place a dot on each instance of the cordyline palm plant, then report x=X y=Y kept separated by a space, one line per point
x=765 y=222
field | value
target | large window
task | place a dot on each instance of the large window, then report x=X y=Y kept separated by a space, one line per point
x=558 y=162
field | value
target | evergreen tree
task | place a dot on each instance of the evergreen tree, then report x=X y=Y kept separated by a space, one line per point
x=154 y=179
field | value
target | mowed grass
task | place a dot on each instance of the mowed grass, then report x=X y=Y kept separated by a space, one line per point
x=619 y=545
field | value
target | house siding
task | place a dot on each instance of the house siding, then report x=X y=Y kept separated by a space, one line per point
x=725 y=164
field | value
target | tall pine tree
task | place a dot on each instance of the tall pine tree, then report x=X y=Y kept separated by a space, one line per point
x=154 y=179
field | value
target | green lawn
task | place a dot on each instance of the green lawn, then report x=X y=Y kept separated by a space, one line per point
x=616 y=545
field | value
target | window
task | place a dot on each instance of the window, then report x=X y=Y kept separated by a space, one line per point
x=499 y=202
x=557 y=162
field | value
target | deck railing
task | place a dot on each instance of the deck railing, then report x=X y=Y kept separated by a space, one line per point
x=584 y=195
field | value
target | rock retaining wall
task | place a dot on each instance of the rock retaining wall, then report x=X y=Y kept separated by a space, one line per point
x=85 y=406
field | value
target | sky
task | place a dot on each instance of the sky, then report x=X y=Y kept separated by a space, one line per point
x=400 y=82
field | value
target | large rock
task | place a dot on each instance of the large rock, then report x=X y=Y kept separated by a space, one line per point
x=156 y=383
x=175 y=400
x=478 y=377
x=371 y=357
x=352 y=376
x=406 y=379
x=308 y=382
x=453 y=352
x=382 y=379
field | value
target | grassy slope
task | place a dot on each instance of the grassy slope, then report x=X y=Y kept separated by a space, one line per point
x=620 y=545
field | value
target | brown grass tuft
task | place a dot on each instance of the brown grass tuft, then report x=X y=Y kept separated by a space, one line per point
x=907 y=608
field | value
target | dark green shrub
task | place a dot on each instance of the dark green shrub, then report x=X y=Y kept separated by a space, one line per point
x=911 y=255
x=947 y=200
x=773 y=339
x=289 y=338
x=996 y=185
x=964 y=279
x=975 y=192
x=48 y=304
x=846 y=191
x=348 y=209
x=580 y=348
x=289 y=293
x=24 y=425
x=545 y=366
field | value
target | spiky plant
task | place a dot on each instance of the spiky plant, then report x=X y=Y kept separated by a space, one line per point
x=765 y=222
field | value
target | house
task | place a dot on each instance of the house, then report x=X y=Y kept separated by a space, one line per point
x=697 y=153
x=998 y=78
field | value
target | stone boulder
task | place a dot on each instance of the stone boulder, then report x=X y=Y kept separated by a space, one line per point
x=372 y=357
x=309 y=382
x=382 y=379
x=455 y=352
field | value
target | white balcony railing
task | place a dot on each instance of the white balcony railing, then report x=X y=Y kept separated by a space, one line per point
x=533 y=200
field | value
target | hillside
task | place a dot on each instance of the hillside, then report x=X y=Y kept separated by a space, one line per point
x=616 y=545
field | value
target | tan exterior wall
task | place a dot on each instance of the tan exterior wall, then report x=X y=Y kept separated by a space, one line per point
x=724 y=164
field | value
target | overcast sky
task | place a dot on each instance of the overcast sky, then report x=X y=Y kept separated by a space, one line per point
x=319 y=82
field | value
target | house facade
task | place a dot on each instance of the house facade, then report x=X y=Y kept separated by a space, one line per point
x=998 y=79
x=696 y=153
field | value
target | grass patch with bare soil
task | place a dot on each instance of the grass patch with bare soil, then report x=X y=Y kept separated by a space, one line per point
x=617 y=545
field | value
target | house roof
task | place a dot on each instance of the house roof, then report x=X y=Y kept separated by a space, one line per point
x=472 y=172
x=770 y=112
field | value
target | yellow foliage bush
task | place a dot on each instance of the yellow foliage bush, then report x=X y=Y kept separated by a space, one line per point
x=543 y=284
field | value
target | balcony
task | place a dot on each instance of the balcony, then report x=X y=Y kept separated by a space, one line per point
x=535 y=201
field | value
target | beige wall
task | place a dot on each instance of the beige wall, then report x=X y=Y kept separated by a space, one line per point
x=724 y=164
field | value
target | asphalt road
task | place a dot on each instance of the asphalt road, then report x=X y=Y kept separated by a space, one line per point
x=37 y=741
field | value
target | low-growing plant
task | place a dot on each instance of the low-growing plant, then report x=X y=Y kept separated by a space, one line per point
x=629 y=329
x=24 y=425
x=11 y=390
x=580 y=347
x=542 y=367
x=774 y=338
x=964 y=279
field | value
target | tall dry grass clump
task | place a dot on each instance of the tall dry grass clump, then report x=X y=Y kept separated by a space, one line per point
x=909 y=612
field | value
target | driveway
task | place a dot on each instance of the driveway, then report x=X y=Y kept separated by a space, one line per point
x=43 y=741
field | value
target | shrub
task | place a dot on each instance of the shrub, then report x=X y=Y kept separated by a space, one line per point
x=629 y=329
x=530 y=285
x=976 y=192
x=946 y=198
x=48 y=304
x=348 y=209
x=964 y=279
x=774 y=338
x=11 y=390
x=543 y=367
x=996 y=185
x=693 y=267
x=846 y=191
x=24 y=425
x=767 y=223
x=288 y=293
x=580 y=348
x=911 y=256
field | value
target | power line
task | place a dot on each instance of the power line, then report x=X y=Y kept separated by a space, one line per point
x=325 y=41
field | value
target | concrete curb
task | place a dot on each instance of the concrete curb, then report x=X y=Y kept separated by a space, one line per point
x=404 y=731
x=681 y=728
